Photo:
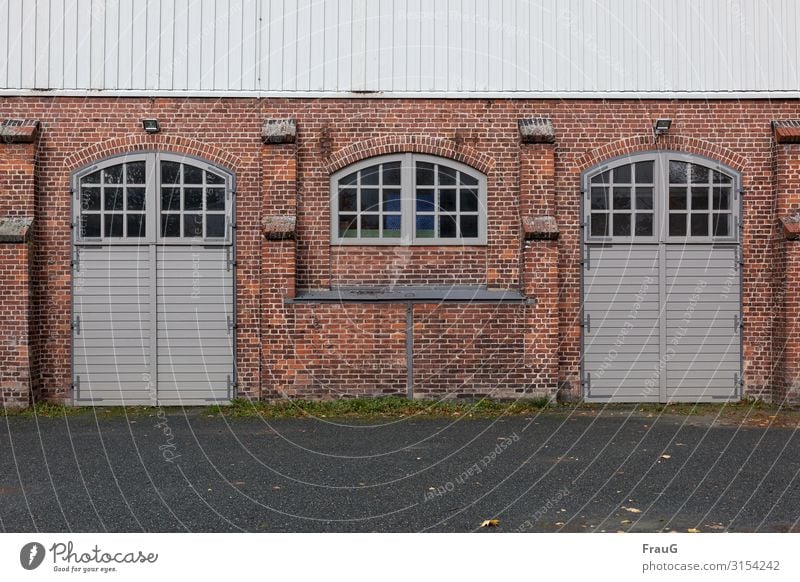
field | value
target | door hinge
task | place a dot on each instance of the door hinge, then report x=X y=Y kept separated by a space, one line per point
x=738 y=381
x=587 y=383
x=586 y=261
x=229 y=262
x=76 y=325
x=586 y=323
x=76 y=261
x=738 y=322
x=76 y=385
x=231 y=324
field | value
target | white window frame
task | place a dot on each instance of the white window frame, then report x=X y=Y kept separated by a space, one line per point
x=153 y=185
x=407 y=203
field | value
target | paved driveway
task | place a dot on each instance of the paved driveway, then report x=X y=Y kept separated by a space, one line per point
x=556 y=471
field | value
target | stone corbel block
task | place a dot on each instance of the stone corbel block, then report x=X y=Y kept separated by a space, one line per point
x=279 y=131
x=540 y=227
x=536 y=130
x=279 y=227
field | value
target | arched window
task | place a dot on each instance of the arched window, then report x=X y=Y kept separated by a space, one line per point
x=665 y=196
x=408 y=199
x=153 y=197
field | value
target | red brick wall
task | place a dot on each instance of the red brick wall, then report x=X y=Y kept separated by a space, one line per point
x=333 y=132
x=15 y=362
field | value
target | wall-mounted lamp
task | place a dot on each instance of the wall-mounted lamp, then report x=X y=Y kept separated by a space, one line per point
x=151 y=125
x=661 y=126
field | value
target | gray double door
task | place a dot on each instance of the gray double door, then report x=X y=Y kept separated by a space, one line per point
x=661 y=313
x=153 y=283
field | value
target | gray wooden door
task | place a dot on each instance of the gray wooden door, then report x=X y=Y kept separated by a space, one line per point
x=661 y=308
x=153 y=283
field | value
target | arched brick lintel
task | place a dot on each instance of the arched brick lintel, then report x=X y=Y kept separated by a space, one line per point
x=139 y=143
x=680 y=143
x=421 y=144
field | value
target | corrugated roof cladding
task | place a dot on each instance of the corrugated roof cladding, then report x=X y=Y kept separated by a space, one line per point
x=402 y=47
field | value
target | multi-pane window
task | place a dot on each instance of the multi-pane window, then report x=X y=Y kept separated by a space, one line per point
x=112 y=202
x=192 y=202
x=663 y=196
x=621 y=201
x=408 y=199
x=153 y=197
x=700 y=201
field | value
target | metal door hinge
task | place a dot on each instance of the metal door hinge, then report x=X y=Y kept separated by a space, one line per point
x=76 y=261
x=231 y=324
x=738 y=322
x=76 y=325
x=587 y=259
x=587 y=383
x=586 y=323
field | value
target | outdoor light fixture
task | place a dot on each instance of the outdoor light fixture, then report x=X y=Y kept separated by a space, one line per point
x=151 y=125
x=661 y=126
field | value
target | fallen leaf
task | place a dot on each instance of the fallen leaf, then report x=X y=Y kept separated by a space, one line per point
x=490 y=523
x=559 y=523
x=693 y=530
x=626 y=521
x=276 y=487
x=631 y=509
x=666 y=457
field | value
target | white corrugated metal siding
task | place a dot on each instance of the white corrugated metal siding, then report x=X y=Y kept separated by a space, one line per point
x=429 y=47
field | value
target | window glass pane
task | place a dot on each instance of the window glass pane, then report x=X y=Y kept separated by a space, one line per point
x=720 y=178
x=370 y=226
x=678 y=172
x=599 y=198
x=622 y=224
x=135 y=172
x=170 y=199
x=424 y=174
x=677 y=225
x=93 y=178
x=349 y=179
x=90 y=198
x=622 y=198
x=699 y=198
x=170 y=172
x=170 y=225
x=348 y=226
x=112 y=199
x=391 y=226
x=722 y=198
x=604 y=178
x=425 y=227
x=215 y=226
x=370 y=176
x=192 y=225
x=699 y=174
x=677 y=198
x=113 y=225
x=369 y=200
x=136 y=198
x=136 y=225
x=391 y=200
x=447 y=200
x=213 y=179
x=644 y=172
x=447 y=227
x=469 y=226
x=391 y=174
x=599 y=225
x=622 y=175
x=193 y=199
x=215 y=199
x=644 y=198
x=113 y=175
x=447 y=176
x=644 y=225
x=467 y=180
x=192 y=175
x=699 y=224
x=347 y=200
x=469 y=201
x=721 y=224
x=425 y=201
x=90 y=226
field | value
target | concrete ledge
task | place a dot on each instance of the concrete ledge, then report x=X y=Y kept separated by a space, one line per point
x=411 y=294
x=279 y=227
x=787 y=130
x=14 y=229
x=279 y=131
x=540 y=227
x=791 y=227
x=536 y=130
x=19 y=130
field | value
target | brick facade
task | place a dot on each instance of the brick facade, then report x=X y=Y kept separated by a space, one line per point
x=331 y=350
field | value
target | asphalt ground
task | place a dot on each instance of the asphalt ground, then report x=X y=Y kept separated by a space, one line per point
x=554 y=471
